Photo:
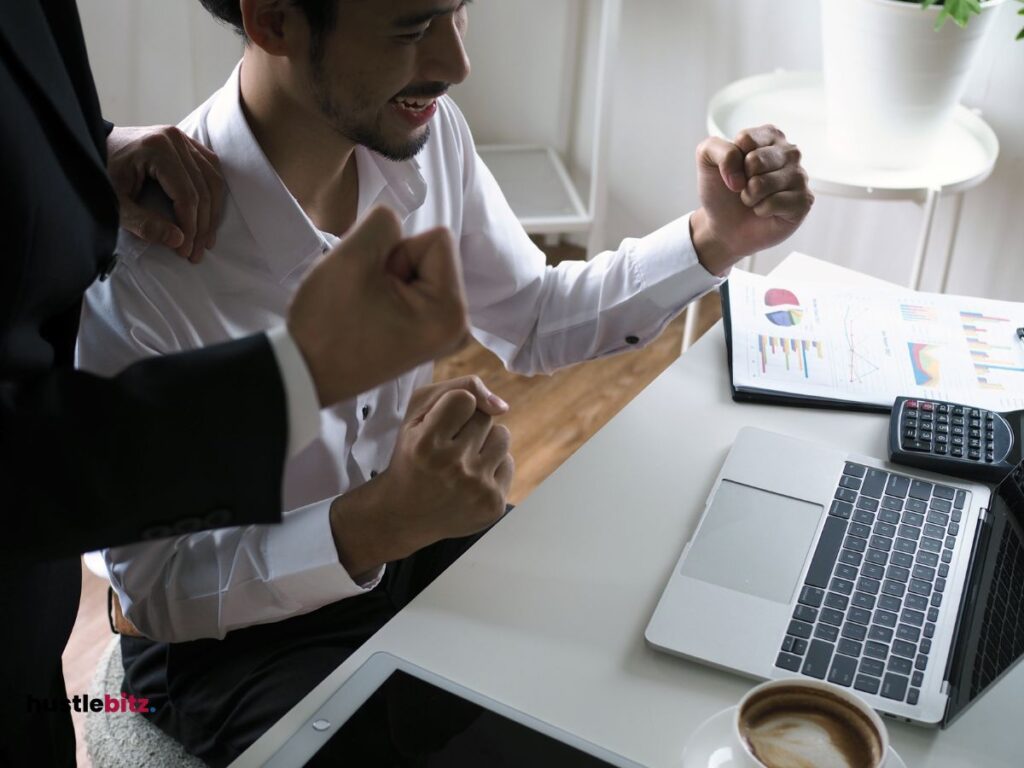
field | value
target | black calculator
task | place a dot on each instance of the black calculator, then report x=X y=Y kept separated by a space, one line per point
x=955 y=439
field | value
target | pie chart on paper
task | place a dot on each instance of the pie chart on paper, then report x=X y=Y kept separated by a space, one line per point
x=784 y=307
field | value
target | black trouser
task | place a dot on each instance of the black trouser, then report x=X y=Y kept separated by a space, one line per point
x=219 y=696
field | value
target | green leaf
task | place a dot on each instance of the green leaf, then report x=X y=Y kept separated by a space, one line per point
x=960 y=11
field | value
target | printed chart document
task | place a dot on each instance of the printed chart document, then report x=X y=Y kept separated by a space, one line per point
x=819 y=342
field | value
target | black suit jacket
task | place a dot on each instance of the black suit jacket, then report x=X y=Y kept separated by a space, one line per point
x=169 y=446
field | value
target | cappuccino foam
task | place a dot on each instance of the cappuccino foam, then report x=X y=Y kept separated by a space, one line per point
x=803 y=728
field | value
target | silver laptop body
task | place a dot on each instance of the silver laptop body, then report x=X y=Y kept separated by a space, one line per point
x=740 y=581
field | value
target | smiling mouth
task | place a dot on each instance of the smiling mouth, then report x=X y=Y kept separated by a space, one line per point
x=414 y=105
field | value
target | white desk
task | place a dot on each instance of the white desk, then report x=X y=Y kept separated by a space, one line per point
x=547 y=612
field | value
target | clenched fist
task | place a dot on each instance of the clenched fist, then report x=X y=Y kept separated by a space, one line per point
x=754 y=194
x=378 y=305
x=449 y=477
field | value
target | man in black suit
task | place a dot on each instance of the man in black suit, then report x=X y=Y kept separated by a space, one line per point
x=80 y=455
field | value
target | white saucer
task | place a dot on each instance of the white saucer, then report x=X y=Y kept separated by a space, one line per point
x=714 y=746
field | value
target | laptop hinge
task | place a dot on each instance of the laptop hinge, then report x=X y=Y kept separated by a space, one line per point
x=983 y=515
x=945 y=688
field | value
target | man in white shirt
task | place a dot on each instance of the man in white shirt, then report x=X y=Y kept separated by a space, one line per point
x=337 y=107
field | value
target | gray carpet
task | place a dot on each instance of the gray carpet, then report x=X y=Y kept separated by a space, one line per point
x=127 y=740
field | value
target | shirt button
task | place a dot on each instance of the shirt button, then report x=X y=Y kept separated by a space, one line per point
x=366 y=411
x=632 y=339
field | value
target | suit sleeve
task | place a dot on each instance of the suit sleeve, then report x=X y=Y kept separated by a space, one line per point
x=168 y=446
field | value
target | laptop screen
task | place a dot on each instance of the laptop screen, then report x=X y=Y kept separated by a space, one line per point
x=990 y=640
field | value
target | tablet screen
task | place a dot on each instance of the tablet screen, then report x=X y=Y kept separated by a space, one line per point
x=410 y=722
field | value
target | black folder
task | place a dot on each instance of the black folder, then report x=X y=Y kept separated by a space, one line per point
x=779 y=397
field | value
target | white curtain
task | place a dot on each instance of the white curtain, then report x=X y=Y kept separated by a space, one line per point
x=155 y=60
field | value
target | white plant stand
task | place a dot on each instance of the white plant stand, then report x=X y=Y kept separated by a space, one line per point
x=964 y=155
x=534 y=178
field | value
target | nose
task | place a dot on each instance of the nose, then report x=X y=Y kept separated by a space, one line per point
x=444 y=58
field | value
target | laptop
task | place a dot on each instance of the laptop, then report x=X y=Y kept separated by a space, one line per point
x=905 y=587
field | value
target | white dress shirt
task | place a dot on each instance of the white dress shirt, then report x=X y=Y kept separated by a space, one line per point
x=536 y=318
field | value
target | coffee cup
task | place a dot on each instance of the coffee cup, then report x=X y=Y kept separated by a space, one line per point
x=802 y=723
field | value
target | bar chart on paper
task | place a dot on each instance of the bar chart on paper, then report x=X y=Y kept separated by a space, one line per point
x=997 y=366
x=826 y=341
x=796 y=358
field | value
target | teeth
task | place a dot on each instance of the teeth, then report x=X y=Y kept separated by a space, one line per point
x=416 y=105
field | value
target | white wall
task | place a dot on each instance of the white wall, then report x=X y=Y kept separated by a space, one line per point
x=156 y=59
x=674 y=54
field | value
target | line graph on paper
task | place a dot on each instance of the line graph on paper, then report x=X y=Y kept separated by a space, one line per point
x=859 y=367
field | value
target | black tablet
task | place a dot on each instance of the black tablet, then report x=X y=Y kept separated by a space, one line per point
x=393 y=713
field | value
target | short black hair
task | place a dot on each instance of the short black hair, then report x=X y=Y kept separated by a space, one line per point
x=321 y=14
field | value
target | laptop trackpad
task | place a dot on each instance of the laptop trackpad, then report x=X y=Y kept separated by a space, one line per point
x=753 y=541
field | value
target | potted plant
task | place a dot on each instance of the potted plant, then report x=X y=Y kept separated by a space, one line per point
x=895 y=71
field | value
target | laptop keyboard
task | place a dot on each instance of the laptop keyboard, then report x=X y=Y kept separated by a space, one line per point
x=870 y=602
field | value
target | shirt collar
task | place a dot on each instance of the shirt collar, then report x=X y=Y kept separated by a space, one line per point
x=282 y=230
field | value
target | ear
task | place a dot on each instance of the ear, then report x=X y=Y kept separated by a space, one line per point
x=268 y=24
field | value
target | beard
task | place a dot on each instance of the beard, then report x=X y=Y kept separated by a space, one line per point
x=369 y=133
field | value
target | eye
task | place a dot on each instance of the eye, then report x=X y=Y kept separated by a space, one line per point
x=413 y=37
x=417 y=35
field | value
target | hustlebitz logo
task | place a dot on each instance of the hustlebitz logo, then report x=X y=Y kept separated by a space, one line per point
x=85 y=703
